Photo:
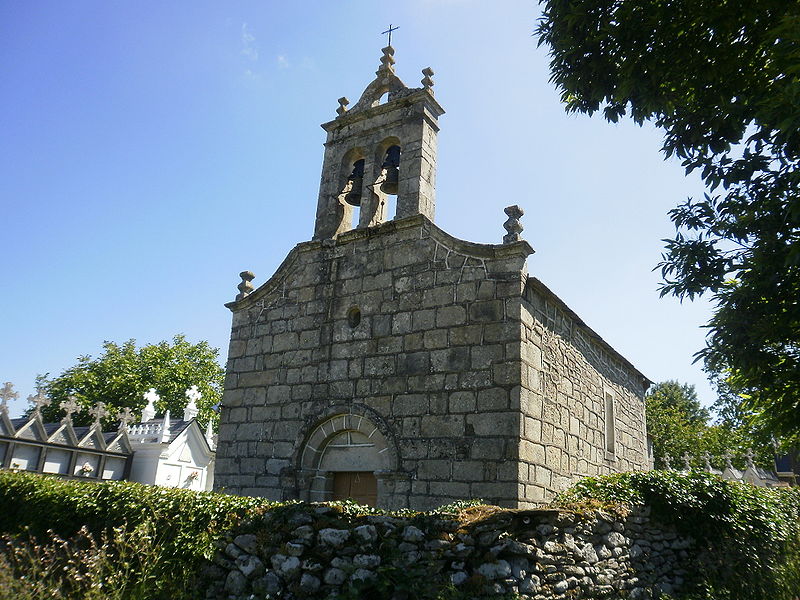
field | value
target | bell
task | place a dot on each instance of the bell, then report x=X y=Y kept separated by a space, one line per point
x=356 y=179
x=390 y=167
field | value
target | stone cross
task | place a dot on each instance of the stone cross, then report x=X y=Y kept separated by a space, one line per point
x=70 y=406
x=125 y=417
x=728 y=460
x=193 y=395
x=149 y=411
x=667 y=462
x=749 y=455
x=687 y=461
x=7 y=393
x=245 y=287
x=512 y=225
x=707 y=461
x=39 y=401
x=99 y=412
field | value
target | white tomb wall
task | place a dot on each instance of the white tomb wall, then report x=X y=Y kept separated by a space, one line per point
x=114 y=468
x=25 y=457
x=57 y=461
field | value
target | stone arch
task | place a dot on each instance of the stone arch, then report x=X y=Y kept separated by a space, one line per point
x=346 y=440
x=383 y=146
x=348 y=160
x=380 y=197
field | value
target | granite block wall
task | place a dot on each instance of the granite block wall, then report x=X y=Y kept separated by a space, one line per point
x=570 y=380
x=433 y=363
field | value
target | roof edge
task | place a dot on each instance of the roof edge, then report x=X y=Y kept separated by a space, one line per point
x=551 y=295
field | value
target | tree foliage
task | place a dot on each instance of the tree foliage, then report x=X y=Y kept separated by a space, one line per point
x=121 y=375
x=677 y=424
x=722 y=79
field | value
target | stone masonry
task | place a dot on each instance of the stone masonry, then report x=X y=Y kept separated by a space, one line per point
x=392 y=348
x=314 y=552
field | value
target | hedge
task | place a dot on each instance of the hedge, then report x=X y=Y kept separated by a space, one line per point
x=748 y=537
x=187 y=522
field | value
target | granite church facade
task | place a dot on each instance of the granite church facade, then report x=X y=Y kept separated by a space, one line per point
x=390 y=362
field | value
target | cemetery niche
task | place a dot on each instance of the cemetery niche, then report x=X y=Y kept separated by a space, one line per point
x=162 y=451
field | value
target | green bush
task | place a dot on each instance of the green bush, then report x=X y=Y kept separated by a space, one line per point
x=747 y=538
x=185 y=523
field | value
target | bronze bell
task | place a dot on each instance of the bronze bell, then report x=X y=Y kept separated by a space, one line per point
x=353 y=197
x=391 y=166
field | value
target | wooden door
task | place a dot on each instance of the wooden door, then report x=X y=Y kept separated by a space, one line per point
x=359 y=486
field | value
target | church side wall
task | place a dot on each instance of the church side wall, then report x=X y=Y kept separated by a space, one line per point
x=433 y=364
x=567 y=376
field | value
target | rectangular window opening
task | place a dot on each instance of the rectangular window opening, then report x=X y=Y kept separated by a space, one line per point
x=610 y=417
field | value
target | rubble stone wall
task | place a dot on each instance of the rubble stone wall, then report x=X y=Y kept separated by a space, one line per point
x=542 y=555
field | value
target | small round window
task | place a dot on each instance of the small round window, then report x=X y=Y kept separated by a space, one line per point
x=354 y=317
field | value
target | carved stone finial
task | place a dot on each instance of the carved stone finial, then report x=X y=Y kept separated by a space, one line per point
x=512 y=225
x=70 y=406
x=125 y=417
x=387 y=60
x=667 y=462
x=343 y=102
x=210 y=435
x=749 y=456
x=7 y=393
x=165 y=433
x=99 y=412
x=427 y=82
x=39 y=401
x=245 y=287
x=687 y=461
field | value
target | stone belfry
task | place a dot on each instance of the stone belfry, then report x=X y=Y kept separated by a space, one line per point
x=384 y=146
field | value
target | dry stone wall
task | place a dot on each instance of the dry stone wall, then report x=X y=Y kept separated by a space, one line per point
x=314 y=552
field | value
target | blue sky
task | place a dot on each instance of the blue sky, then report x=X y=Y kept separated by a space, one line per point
x=152 y=150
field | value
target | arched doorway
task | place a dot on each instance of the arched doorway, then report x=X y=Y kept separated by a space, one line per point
x=342 y=458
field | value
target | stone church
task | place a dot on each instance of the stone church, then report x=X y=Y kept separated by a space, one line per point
x=392 y=363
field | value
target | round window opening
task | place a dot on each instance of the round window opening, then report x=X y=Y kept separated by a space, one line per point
x=354 y=317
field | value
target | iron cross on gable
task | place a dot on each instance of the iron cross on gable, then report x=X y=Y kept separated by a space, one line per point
x=389 y=31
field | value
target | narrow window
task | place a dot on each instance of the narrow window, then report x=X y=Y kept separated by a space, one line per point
x=610 y=418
